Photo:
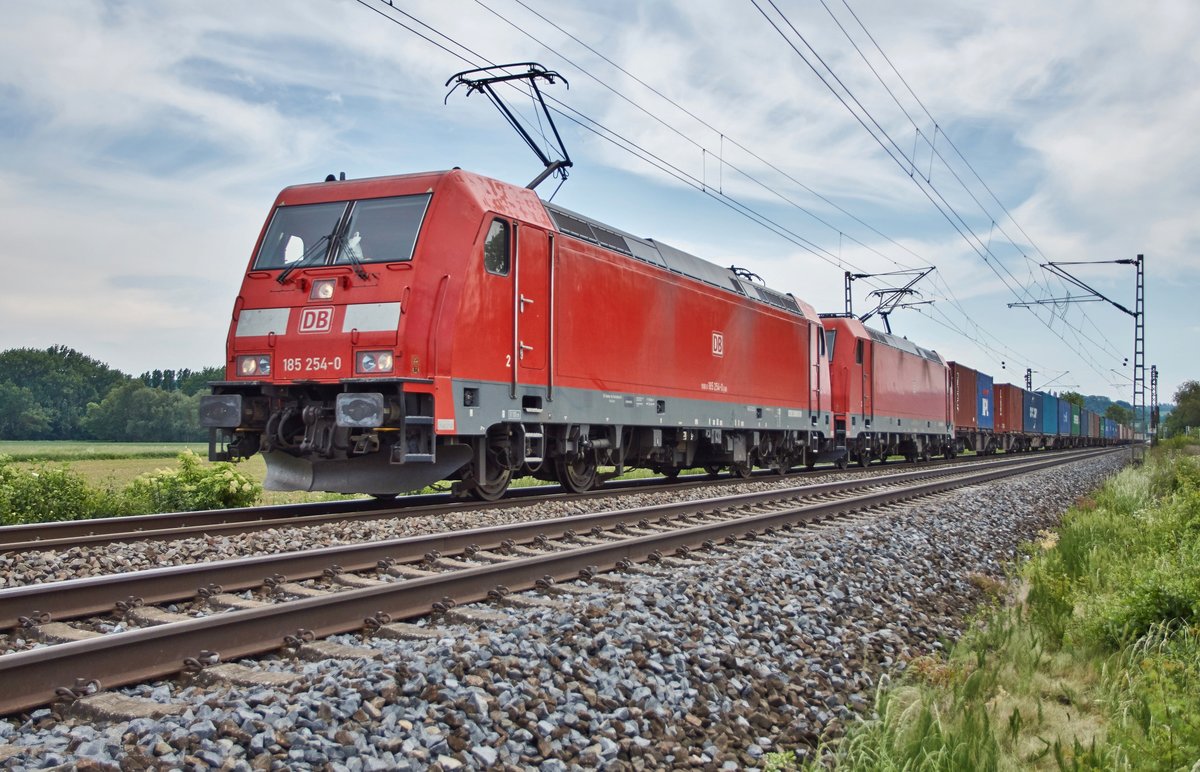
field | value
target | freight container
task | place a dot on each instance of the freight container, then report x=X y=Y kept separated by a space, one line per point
x=1049 y=415
x=1095 y=425
x=1076 y=421
x=965 y=406
x=986 y=409
x=1085 y=422
x=1064 y=418
x=1031 y=423
x=1009 y=409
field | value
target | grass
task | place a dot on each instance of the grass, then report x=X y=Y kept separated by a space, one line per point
x=113 y=465
x=1091 y=661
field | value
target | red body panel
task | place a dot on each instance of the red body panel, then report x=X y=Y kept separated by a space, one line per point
x=659 y=332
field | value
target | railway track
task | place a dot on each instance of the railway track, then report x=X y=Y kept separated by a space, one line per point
x=180 y=525
x=413 y=577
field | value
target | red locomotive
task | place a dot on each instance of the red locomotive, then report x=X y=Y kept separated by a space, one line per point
x=396 y=331
x=890 y=396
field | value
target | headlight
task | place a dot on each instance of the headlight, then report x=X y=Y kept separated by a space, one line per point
x=254 y=365
x=373 y=362
x=322 y=289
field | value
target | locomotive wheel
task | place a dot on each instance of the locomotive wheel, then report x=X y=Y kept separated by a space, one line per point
x=579 y=475
x=713 y=470
x=492 y=489
x=741 y=469
x=864 y=458
x=841 y=463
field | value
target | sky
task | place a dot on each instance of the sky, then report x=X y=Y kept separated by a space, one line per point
x=144 y=143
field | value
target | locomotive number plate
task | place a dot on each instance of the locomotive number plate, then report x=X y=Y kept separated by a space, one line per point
x=311 y=364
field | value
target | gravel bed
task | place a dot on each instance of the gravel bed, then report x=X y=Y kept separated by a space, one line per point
x=760 y=648
x=40 y=566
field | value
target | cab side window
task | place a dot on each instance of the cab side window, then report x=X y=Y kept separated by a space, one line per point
x=858 y=352
x=496 y=249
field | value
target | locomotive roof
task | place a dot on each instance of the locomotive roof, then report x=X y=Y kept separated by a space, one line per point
x=886 y=338
x=672 y=259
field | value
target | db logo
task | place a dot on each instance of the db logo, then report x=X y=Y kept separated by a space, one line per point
x=316 y=319
x=718 y=344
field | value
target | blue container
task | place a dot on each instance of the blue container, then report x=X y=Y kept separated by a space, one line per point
x=1064 y=418
x=1049 y=415
x=984 y=402
x=1031 y=421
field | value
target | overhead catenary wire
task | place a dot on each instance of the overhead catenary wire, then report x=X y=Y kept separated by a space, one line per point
x=658 y=162
x=674 y=171
x=892 y=149
x=722 y=137
x=934 y=151
x=948 y=291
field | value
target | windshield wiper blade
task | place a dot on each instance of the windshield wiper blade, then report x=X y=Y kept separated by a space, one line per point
x=307 y=256
x=353 y=253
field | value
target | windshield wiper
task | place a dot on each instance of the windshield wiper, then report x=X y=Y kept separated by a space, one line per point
x=353 y=253
x=307 y=256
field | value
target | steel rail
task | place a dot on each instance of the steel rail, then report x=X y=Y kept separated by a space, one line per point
x=74 y=598
x=177 y=525
x=32 y=678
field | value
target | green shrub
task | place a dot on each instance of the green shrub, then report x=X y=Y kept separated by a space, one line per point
x=1163 y=594
x=192 y=486
x=45 y=493
x=1179 y=442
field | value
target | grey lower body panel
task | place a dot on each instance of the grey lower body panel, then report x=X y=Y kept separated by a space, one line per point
x=494 y=404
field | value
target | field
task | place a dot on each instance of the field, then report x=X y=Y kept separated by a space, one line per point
x=115 y=464
x=96 y=451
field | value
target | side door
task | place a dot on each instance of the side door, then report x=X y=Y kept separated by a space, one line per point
x=531 y=307
x=816 y=344
x=864 y=355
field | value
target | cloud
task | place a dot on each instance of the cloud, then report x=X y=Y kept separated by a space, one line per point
x=144 y=143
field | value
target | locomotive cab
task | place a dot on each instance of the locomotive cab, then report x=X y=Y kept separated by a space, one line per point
x=328 y=371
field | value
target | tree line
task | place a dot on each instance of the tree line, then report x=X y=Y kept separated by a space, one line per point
x=58 y=393
x=1186 y=415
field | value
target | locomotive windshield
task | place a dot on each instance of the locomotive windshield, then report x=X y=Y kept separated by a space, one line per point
x=379 y=230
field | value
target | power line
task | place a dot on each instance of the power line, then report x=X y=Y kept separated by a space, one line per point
x=658 y=162
x=928 y=189
x=950 y=141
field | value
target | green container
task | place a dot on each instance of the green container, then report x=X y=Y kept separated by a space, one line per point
x=1075 y=420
